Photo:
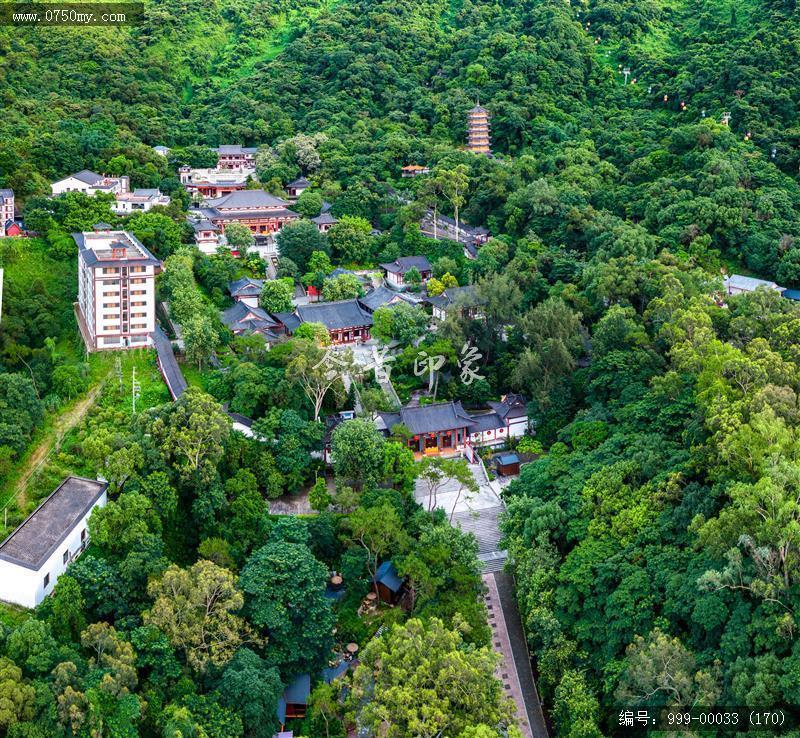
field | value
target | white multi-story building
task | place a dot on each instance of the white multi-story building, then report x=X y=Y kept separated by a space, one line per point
x=90 y=183
x=116 y=289
x=138 y=201
x=39 y=551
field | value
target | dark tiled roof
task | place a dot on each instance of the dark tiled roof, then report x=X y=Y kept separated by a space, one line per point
x=508 y=459
x=334 y=315
x=404 y=263
x=466 y=295
x=300 y=182
x=87 y=176
x=382 y=296
x=203 y=225
x=247 y=199
x=246 y=287
x=6 y=194
x=511 y=406
x=176 y=382
x=38 y=537
x=290 y=320
x=297 y=692
x=236 y=149
x=431 y=418
x=325 y=219
x=241 y=317
x=486 y=421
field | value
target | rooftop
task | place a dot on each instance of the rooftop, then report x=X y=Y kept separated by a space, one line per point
x=324 y=219
x=403 y=264
x=335 y=315
x=748 y=284
x=247 y=199
x=386 y=574
x=35 y=540
x=430 y=418
x=232 y=149
x=246 y=287
x=113 y=246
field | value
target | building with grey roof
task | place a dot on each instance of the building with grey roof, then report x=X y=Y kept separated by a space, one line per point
x=242 y=318
x=39 y=551
x=324 y=221
x=260 y=211
x=246 y=290
x=397 y=270
x=465 y=300
x=382 y=296
x=346 y=320
x=447 y=428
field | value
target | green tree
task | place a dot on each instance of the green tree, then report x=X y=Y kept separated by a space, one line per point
x=342 y=287
x=196 y=609
x=252 y=689
x=285 y=589
x=239 y=237
x=350 y=239
x=200 y=339
x=190 y=433
x=357 y=450
x=17 y=699
x=421 y=681
x=276 y=296
x=298 y=241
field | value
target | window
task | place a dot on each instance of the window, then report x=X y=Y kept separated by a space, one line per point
x=46 y=581
x=66 y=556
x=83 y=536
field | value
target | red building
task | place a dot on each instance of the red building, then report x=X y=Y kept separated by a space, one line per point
x=261 y=212
x=346 y=320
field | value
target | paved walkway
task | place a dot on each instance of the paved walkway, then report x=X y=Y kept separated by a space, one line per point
x=479 y=514
x=170 y=370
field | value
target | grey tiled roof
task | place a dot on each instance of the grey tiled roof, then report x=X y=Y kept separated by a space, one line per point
x=382 y=296
x=466 y=295
x=247 y=199
x=290 y=320
x=40 y=535
x=430 y=418
x=324 y=219
x=403 y=264
x=87 y=176
x=246 y=287
x=241 y=317
x=335 y=315
x=236 y=149
x=299 y=182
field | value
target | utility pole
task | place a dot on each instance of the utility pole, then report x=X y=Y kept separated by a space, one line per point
x=626 y=72
x=135 y=390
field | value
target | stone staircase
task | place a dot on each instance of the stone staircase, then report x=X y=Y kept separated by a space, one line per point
x=484 y=525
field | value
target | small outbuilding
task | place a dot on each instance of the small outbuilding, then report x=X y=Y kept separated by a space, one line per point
x=507 y=465
x=388 y=583
x=293 y=703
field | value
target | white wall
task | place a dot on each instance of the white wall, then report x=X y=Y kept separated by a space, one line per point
x=24 y=586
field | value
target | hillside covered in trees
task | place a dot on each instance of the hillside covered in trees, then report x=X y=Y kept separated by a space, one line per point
x=655 y=542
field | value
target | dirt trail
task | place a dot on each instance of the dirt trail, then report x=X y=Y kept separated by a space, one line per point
x=63 y=425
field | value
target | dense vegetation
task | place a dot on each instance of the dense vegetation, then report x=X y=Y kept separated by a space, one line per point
x=660 y=526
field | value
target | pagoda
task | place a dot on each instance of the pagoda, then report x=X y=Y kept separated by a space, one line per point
x=478 y=141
